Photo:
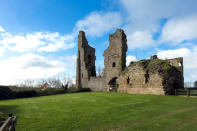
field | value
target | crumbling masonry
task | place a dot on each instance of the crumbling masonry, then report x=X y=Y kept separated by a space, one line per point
x=152 y=76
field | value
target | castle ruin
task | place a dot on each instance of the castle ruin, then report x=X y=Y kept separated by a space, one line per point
x=152 y=76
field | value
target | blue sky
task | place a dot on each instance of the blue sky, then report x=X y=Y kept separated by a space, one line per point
x=38 y=39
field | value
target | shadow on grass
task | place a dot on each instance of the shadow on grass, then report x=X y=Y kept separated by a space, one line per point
x=6 y=109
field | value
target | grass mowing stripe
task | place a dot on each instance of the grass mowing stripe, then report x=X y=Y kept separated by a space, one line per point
x=102 y=111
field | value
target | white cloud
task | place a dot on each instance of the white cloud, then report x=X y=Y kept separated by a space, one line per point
x=2 y=50
x=70 y=60
x=59 y=42
x=140 y=40
x=98 y=23
x=2 y=29
x=141 y=20
x=169 y=54
x=146 y=14
x=180 y=29
x=39 y=41
x=32 y=66
x=189 y=56
x=130 y=58
x=189 y=60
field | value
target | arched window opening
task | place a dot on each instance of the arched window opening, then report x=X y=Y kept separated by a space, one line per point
x=113 y=84
x=113 y=64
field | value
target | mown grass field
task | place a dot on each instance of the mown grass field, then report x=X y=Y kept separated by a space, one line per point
x=103 y=111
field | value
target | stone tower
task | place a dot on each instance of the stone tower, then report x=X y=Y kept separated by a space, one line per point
x=85 y=61
x=115 y=57
x=150 y=76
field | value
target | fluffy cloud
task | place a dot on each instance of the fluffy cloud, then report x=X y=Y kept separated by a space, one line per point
x=29 y=63
x=32 y=66
x=179 y=29
x=189 y=56
x=98 y=23
x=146 y=14
x=39 y=41
x=140 y=39
x=1 y=29
x=189 y=59
x=130 y=58
x=2 y=50
x=59 y=42
x=142 y=19
x=147 y=17
x=168 y=54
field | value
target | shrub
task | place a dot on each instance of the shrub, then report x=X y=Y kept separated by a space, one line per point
x=76 y=90
x=43 y=92
x=1 y=115
x=6 y=93
x=51 y=91
x=60 y=91
x=28 y=93
x=72 y=89
x=20 y=92
x=195 y=84
x=79 y=87
x=65 y=87
x=84 y=90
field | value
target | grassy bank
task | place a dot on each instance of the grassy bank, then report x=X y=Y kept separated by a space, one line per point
x=103 y=111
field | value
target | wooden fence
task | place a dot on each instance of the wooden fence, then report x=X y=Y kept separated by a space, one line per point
x=186 y=91
x=8 y=124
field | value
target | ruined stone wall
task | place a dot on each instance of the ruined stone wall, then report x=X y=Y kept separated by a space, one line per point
x=85 y=61
x=176 y=80
x=134 y=81
x=115 y=56
x=177 y=62
x=96 y=84
x=153 y=76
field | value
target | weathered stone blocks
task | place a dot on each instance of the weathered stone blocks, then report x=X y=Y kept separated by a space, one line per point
x=153 y=76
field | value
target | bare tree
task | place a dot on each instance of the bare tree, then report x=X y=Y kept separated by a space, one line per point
x=100 y=71
x=57 y=81
x=188 y=84
x=67 y=80
x=39 y=83
x=54 y=82
x=28 y=83
x=195 y=84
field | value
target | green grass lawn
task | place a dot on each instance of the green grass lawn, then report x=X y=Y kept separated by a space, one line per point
x=103 y=111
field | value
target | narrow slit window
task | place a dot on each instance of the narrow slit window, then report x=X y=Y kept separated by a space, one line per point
x=113 y=64
x=128 y=80
x=146 y=77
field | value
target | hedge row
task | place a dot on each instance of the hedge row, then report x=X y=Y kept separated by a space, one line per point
x=7 y=93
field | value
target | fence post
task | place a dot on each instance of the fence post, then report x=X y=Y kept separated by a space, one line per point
x=188 y=92
x=9 y=124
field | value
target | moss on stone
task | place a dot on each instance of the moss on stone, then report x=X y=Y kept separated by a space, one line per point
x=122 y=63
x=154 y=65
